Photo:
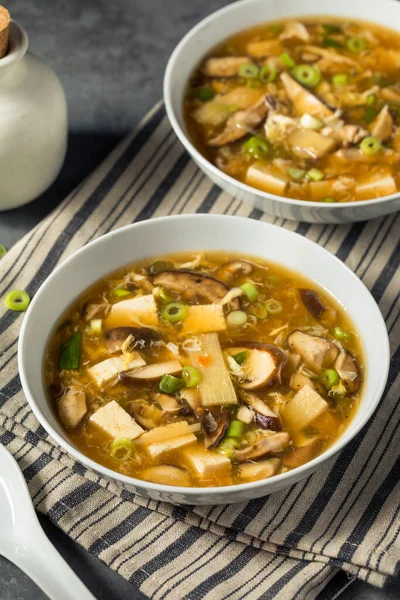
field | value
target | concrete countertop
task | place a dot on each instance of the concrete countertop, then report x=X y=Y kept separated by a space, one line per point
x=110 y=57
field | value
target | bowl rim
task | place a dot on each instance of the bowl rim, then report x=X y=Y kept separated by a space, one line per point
x=185 y=140
x=66 y=445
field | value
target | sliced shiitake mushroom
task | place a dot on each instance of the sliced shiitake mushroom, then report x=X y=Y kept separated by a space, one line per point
x=271 y=444
x=154 y=371
x=262 y=365
x=264 y=416
x=348 y=370
x=141 y=337
x=315 y=306
x=317 y=352
x=193 y=287
x=234 y=268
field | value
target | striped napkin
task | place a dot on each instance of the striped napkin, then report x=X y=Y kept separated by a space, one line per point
x=308 y=541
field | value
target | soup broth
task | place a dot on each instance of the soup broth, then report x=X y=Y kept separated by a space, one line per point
x=204 y=369
x=307 y=109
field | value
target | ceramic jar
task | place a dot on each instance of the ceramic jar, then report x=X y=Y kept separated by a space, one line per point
x=33 y=123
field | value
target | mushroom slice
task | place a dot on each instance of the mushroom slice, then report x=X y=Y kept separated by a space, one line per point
x=317 y=352
x=260 y=470
x=72 y=407
x=154 y=371
x=241 y=123
x=391 y=93
x=305 y=450
x=278 y=127
x=263 y=48
x=331 y=56
x=303 y=100
x=346 y=134
x=313 y=304
x=167 y=403
x=167 y=475
x=262 y=364
x=306 y=143
x=376 y=185
x=348 y=370
x=382 y=127
x=271 y=444
x=94 y=310
x=234 y=268
x=225 y=66
x=193 y=287
x=214 y=426
x=142 y=337
x=294 y=30
x=267 y=178
x=299 y=380
x=265 y=417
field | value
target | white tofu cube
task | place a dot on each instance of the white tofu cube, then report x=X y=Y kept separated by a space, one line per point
x=115 y=421
x=206 y=464
x=135 y=311
x=160 y=448
x=378 y=184
x=204 y=318
x=109 y=368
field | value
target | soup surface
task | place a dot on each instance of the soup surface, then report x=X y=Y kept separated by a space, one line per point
x=307 y=109
x=204 y=369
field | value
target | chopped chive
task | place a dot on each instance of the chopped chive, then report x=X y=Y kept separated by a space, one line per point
x=240 y=357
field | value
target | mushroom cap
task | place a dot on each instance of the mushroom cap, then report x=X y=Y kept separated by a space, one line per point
x=117 y=336
x=262 y=365
x=268 y=445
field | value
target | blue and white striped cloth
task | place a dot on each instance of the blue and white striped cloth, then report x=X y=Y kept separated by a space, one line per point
x=307 y=542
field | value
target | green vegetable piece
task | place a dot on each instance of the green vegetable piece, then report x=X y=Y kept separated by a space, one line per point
x=330 y=28
x=369 y=114
x=273 y=279
x=228 y=446
x=158 y=266
x=174 y=312
x=121 y=292
x=17 y=300
x=237 y=318
x=259 y=311
x=314 y=174
x=170 y=384
x=240 y=357
x=329 y=378
x=164 y=296
x=370 y=100
x=342 y=334
x=268 y=73
x=235 y=429
x=250 y=290
x=3 y=250
x=307 y=75
x=356 y=45
x=287 y=60
x=257 y=147
x=331 y=43
x=191 y=376
x=276 y=28
x=274 y=307
x=370 y=145
x=340 y=79
x=296 y=174
x=122 y=448
x=249 y=71
x=70 y=353
x=328 y=199
x=203 y=94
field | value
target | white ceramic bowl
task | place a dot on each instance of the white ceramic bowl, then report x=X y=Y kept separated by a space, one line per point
x=199 y=232
x=236 y=17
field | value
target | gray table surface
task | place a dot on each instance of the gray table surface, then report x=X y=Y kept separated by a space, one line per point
x=110 y=56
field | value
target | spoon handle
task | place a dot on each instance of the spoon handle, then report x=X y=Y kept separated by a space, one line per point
x=45 y=566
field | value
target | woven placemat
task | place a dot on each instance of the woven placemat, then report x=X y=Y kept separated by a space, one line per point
x=308 y=541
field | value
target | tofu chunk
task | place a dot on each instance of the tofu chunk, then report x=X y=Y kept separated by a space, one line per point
x=307 y=143
x=109 y=368
x=159 y=449
x=115 y=421
x=206 y=464
x=267 y=178
x=204 y=318
x=303 y=408
x=134 y=311
x=305 y=450
x=373 y=186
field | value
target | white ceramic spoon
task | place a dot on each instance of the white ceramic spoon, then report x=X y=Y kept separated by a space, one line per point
x=23 y=541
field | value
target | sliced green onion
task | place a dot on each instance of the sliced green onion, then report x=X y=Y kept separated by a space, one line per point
x=250 y=290
x=330 y=28
x=329 y=378
x=328 y=199
x=164 y=296
x=257 y=147
x=120 y=292
x=331 y=43
x=307 y=75
x=17 y=300
x=274 y=307
x=237 y=318
x=174 y=312
x=287 y=60
x=170 y=384
x=296 y=174
x=356 y=44
x=314 y=174
x=249 y=71
x=3 y=250
x=70 y=353
x=259 y=311
x=122 y=448
x=203 y=94
x=370 y=100
x=235 y=429
x=276 y=28
x=342 y=334
x=369 y=114
x=309 y=122
x=228 y=446
x=96 y=325
x=240 y=357
x=158 y=266
x=268 y=73
x=191 y=377
x=340 y=79
x=370 y=145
